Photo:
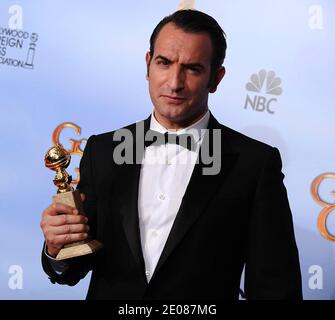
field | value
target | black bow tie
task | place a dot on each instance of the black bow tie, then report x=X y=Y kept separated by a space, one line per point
x=155 y=138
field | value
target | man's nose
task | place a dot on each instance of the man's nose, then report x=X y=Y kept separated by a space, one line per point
x=176 y=79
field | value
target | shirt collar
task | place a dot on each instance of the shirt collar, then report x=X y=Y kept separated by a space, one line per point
x=196 y=129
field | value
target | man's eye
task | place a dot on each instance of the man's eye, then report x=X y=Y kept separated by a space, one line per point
x=194 y=70
x=163 y=62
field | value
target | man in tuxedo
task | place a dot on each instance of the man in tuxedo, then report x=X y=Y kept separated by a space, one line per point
x=173 y=224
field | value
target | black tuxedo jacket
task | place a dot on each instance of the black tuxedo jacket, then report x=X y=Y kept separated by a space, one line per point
x=239 y=217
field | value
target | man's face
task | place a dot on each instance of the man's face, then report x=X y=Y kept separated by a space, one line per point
x=179 y=74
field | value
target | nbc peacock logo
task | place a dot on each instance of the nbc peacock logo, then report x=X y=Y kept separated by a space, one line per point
x=261 y=84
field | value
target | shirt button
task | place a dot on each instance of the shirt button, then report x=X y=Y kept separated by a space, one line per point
x=147 y=273
x=162 y=196
x=154 y=233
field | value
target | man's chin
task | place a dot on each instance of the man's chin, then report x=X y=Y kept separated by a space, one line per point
x=173 y=113
x=176 y=117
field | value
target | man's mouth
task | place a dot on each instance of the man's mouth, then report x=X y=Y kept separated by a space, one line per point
x=173 y=99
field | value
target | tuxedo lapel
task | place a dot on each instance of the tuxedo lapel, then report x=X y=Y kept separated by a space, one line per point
x=129 y=187
x=199 y=192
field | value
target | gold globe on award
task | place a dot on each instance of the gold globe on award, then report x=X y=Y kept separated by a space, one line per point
x=58 y=159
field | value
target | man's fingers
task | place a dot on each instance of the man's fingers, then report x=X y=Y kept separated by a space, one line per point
x=58 y=208
x=69 y=229
x=63 y=224
x=59 y=241
x=64 y=219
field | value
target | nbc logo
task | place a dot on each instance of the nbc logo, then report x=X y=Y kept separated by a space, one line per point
x=256 y=84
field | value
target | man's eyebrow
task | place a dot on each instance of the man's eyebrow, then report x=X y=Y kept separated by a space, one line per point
x=188 y=65
x=193 y=65
x=163 y=58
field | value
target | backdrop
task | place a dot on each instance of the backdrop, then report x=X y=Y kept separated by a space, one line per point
x=73 y=68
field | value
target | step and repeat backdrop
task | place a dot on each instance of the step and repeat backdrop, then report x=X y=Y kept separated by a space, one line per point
x=70 y=69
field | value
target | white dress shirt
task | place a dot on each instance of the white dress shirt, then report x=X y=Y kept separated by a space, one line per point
x=165 y=173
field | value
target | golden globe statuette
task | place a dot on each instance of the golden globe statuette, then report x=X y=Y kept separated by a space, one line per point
x=58 y=159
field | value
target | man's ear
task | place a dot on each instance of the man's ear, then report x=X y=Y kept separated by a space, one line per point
x=147 y=61
x=217 y=79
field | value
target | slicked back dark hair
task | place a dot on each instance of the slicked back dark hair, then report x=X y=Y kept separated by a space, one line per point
x=196 y=22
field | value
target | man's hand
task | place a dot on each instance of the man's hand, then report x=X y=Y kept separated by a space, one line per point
x=62 y=224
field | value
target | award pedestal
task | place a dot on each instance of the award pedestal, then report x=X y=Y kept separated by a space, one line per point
x=80 y=248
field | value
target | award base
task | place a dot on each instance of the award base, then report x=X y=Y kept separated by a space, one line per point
x=80 y=248
x=77 y=249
